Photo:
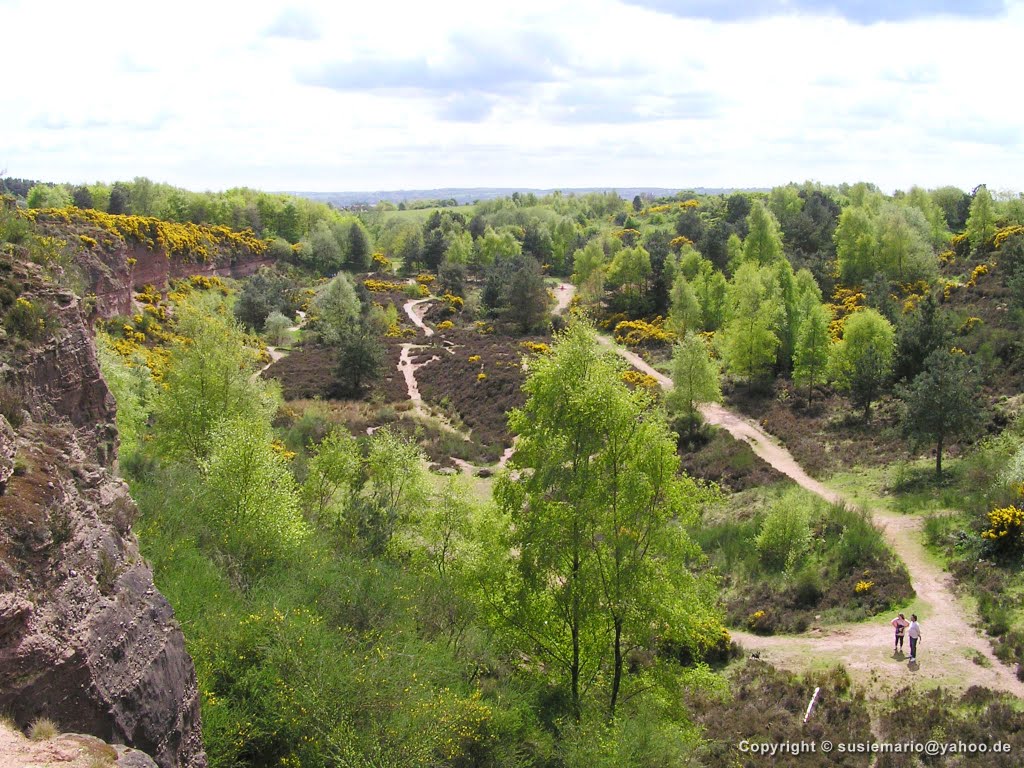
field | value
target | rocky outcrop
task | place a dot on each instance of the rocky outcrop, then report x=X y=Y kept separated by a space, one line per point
x=85 y=638
x=69 y=750
x=115 y=273
x=60 y=378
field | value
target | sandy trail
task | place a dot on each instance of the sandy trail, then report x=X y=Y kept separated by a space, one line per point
x=952 y=652
x=563 y=297
x=411 y=309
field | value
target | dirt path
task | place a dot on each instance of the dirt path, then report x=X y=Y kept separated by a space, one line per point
x=952 y=653
x=410 y=308
x=563 y=297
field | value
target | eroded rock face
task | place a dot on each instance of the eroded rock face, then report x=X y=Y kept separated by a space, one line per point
x=60 y=379
x=85 y=638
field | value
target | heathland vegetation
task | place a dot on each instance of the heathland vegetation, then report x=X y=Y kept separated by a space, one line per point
x=410 y=508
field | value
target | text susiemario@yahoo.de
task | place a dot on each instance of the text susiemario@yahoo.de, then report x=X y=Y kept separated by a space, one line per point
x=772 y=748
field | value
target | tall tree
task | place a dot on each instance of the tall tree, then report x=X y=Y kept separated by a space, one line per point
x=750 y=340
x=695 y=378
x=862 y=360
x=685 y=310
x=981 y=222
x=210 y=377
x=856 y=245
x=810 y=358
x=597 y=548
x=251 y=503
x=358 y=256
x=527 y=299
x=922 y=331
x=943 y=401
x=763 y=243
x=904 y=252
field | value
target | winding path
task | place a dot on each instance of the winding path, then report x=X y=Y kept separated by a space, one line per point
x=952 y=652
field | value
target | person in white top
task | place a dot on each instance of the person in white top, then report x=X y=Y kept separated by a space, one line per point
x=900 y=625
x=914 y=633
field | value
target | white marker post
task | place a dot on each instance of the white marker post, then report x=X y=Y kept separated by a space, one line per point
x=810 y=706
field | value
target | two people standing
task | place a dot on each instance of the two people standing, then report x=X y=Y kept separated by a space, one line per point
x=909 y=629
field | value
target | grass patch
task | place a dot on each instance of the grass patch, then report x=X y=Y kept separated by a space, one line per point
x=42 y=729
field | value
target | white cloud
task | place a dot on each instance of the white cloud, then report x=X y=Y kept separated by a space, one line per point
x=316 y=95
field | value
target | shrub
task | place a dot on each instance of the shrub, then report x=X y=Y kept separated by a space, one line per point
x=1005 y=530
x=28 y=319
x=42 y=729
x=785 y=535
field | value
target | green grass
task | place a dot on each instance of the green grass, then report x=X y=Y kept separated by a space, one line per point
x=909 y=487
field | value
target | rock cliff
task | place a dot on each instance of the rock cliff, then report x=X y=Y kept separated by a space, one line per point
x=85 y=638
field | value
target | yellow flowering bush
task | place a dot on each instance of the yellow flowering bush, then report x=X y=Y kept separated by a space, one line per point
x=863 y=586
x=383 y=286
x=474 y=358
x=970 y=324
x=537 y=347
x=1005 y=233
x=425 y=279
x=1005 y=528
x=445 y=325
x=979 y=271
x=638 y=379
x=636 y=333
x=676 y=243
x=481 y=376
x=200 y=242
x=87 y=241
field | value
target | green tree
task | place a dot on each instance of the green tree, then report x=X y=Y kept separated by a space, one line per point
x=944 y=401
x=251 y=504
x=695 y=378
x=904 y=252
x=596 y=550
x=321 y=251
x=460 y=249
x=938 y=229
x=811 y=356
x=335 y=311
x=527 y=299
x=48 y=196
x=630 y=270
x=494 y=246
x=397 y=488
x=856 y=245
x=981 y=221
x=711 y=289
x=276 y=328
x=360 y=359
x=332 y=475
x=862 y=360
x=922 y=331
x=358 y=250
x=588 y=260
x=210 y=377
x=750 y=340
x=263 y=293
x=763 y=243
x=685 y=311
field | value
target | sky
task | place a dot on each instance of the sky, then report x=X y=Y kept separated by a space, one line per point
x=333 y=96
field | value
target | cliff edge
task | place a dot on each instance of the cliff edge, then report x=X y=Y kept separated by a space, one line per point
x=85 y=638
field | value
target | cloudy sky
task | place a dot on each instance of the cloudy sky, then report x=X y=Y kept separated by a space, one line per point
x=534 y=93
